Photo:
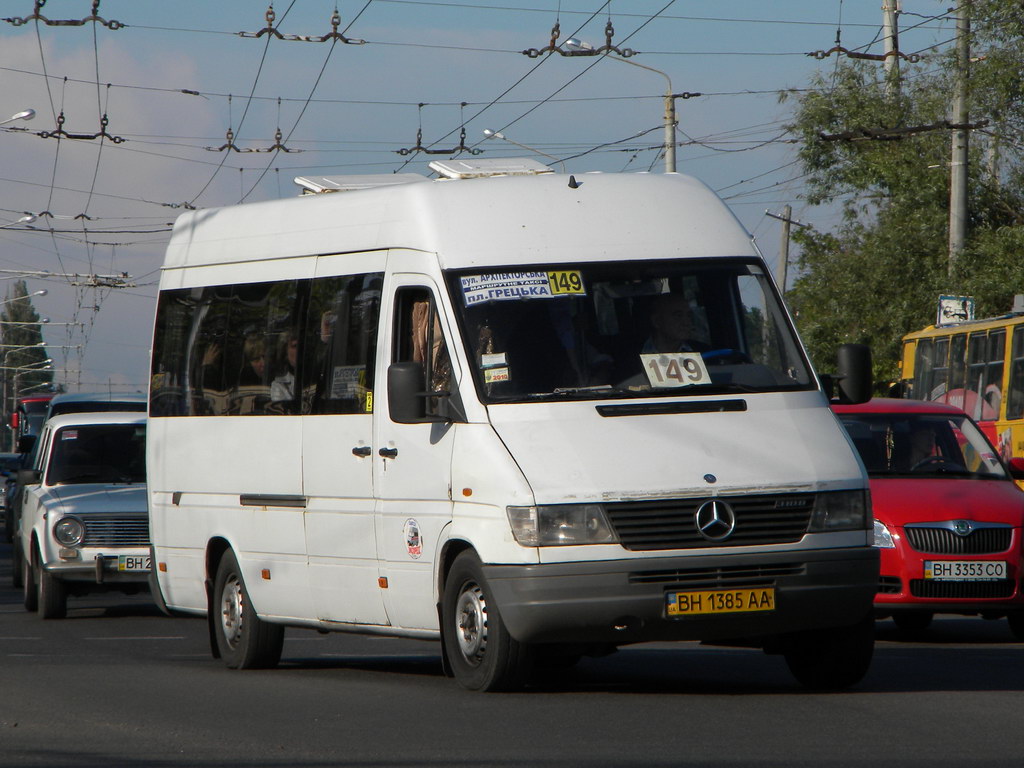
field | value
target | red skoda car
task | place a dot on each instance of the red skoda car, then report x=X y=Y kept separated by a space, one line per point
x=948 y=515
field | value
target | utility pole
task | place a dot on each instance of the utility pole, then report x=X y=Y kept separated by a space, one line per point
x=787 y=211
x=960 y=117
x=890 y=10
x=787 y=220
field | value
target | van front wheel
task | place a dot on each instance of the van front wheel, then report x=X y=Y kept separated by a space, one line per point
x=482 y=654
x=832 y=659
x=243 y=639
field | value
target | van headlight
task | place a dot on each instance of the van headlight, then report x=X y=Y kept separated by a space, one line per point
x=841 y=511
x=69 y=531
x=556 y=525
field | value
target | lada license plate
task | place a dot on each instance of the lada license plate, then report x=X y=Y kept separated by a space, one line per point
x=964 y=570
x=133 y=562
x=720 y=601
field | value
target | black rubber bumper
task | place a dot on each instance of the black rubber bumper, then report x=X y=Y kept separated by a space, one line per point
x=624 y=601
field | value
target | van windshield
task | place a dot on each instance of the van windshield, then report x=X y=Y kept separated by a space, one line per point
x=626 y=329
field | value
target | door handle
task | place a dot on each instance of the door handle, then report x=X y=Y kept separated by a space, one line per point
x=388 y=453
x=362 y=450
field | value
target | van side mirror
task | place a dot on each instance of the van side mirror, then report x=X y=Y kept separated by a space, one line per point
x=29 y=477
x=854 y=373
x=407 y=402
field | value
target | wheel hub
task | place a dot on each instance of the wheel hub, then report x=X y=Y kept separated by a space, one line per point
x=471 y=622
x=231 y=610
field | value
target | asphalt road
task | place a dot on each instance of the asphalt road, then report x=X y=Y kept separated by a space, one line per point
x=119 y=684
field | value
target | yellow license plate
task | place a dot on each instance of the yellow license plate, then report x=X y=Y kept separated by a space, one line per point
x=720 y=601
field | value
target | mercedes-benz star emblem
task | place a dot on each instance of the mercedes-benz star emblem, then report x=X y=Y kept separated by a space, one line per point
x=715 y=520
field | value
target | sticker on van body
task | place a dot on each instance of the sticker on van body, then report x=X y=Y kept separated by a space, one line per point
x=413 y=541
x=506 y=286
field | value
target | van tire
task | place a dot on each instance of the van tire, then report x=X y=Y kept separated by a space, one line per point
x=53 y=595
x=912 y=622
x=17 y=565
x=1016 y=622
x=482 y=654
x=832 y=659
x=243 y=639
x=30 y=596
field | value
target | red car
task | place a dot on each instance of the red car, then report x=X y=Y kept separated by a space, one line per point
x=948 y=515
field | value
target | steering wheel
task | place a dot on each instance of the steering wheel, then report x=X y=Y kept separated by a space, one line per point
x=725 y=356
x=933 y=462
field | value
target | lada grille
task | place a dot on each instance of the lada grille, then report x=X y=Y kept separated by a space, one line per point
x=130 y=530
x=952 y=590
x=942 y=541
x=670 y=523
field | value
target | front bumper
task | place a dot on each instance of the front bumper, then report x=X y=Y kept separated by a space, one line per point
x=625 y=601
x=902 y=585
x=98 y=568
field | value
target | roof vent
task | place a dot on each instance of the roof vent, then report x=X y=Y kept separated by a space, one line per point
x=492 y=166
x=315 y=185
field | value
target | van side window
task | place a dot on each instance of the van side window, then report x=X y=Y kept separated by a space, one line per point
x=283 y=347
x=342 y=334
x=420 y=339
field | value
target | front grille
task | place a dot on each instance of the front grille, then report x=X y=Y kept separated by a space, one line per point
x=669 y=523
x=128 y=530
x=748 y=575
x=889 y=585
x=943 y=541
x=981 y=590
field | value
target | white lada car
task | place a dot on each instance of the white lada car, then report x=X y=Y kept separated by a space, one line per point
x=84 y=525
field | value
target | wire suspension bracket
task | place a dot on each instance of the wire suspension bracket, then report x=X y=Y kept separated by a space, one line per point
x=554 y=47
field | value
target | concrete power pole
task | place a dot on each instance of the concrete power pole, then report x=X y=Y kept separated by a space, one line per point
x=958 y=161
x=890 y=32
x=787 y=213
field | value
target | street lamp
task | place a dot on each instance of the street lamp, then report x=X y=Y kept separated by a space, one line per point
x=28 y=218
x=40 y=292
x=498 y=135
x=573 y=44
x=25 y=114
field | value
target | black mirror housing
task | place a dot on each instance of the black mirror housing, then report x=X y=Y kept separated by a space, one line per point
x=407 y=402
x=854 y=374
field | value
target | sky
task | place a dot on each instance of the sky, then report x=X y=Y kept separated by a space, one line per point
x=147 y=107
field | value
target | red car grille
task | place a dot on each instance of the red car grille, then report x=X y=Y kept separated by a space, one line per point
x=952 y=590
x=942 y=541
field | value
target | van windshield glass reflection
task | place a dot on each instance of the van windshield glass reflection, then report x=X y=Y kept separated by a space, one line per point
x=626 y=329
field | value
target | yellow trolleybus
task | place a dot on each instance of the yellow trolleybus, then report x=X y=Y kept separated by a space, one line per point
x=976 y=365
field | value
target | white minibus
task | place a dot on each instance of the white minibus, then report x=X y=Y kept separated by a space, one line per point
x=531 y=415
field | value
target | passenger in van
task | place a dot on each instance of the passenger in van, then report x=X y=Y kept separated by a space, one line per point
x=672 y=328
x=251 y=394
x=282 y=388
x=254 y=352
x=429 y=348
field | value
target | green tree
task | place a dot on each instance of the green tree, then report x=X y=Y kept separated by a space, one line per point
x=20 y=337
x=879 y=274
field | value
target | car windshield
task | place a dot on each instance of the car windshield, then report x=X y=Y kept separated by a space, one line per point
x=917 y=445
x=98 y=453
x=626 y=329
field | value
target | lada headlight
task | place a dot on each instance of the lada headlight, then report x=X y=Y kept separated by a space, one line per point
x=69 y=531
x=556 y=525
x=841 y=511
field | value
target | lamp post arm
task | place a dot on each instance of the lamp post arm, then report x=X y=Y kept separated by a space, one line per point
x=670 y=113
